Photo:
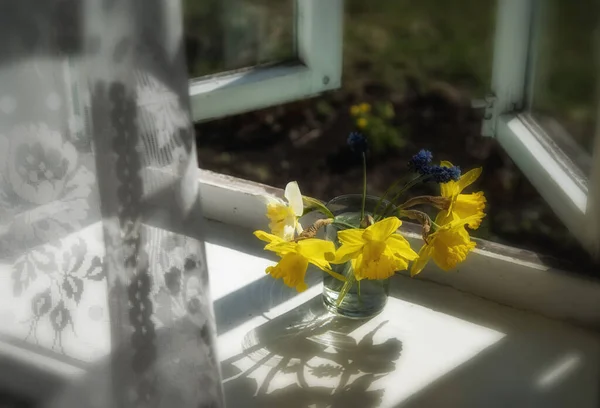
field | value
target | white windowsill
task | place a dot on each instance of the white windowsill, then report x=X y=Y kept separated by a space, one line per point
x=437 y=341
x=445 y=347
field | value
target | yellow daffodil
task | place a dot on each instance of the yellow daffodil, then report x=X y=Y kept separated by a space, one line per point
x=364 y=107
x=448 y=246
x=361 y=123
x=283 y=216
x=377 y=252
x=464 y=205
x=295 y=257
x=355 y=110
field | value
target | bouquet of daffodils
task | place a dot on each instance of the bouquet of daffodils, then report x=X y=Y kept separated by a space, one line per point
x=374 y=247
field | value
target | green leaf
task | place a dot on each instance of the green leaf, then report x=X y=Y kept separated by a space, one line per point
x=312 y=204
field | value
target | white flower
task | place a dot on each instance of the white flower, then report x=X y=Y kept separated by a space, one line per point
x=283 y=216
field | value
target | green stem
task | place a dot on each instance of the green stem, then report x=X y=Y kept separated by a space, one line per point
x=336 y=275
x=408 y=185
x=347 y=285
x=364 y=195
x=435 y=226
x=388 y=191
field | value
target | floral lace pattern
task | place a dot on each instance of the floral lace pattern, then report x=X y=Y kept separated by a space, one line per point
x=94 y=124
x=56 y=295
x=45 y=187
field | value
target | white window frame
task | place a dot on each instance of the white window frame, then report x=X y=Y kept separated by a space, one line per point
x=573 y=196
x=318 y=33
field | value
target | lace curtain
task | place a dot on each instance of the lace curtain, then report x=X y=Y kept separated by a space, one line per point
x=101 y=264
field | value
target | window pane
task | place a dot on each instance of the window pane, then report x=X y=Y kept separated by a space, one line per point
x=224 y=35
x=417 y=64
x=565 y=73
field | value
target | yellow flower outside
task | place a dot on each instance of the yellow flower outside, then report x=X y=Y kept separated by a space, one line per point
x=295 y=257
x=361 y=123
x=354 y=110
x=365 y=107
x=464 y=205
x=376 y=252
x=448 y=246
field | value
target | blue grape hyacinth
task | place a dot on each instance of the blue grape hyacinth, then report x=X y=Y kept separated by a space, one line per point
x=421 y=163
x=357 y=142
x=444 y=174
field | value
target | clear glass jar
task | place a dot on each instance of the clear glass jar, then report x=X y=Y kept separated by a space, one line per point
x=364 y=298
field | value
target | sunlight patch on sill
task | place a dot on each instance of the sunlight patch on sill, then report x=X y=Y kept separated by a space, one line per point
x=222 y=263
x=406 y=344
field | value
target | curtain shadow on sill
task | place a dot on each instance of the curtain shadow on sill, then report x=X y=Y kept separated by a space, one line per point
x=258 y=298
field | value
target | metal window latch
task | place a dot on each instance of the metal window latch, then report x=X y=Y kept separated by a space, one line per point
x=489 y=115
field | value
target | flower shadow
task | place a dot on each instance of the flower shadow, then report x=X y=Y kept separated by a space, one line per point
x=309 y=357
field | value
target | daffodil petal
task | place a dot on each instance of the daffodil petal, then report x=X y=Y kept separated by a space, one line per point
x=424 y=256
x=461 y=222
x=444 y=218
x=266 y=237
x=294 y=198
x=400 y=246
x=447 y=189
x=346 y=252
x=468 y=178
x=320 y=263
x=351 y=236
x=281 y=248
x=401 y=264
x=318 y=249
x=325 y=267
x=356 y=266
x=380 y=231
